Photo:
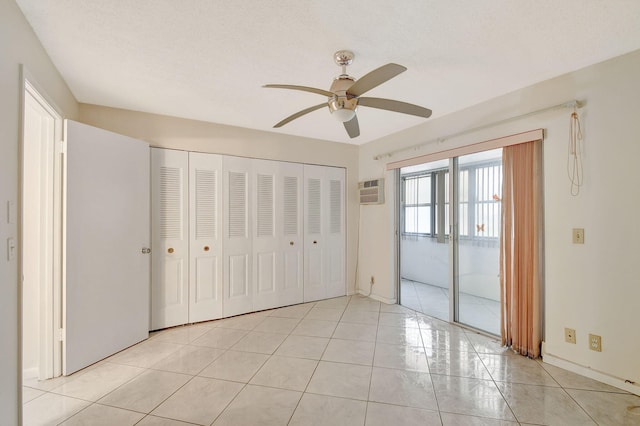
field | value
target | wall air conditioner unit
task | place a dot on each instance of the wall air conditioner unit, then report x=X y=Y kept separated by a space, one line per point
x=371 y=191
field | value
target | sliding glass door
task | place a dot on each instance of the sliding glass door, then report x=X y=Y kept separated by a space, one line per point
x=477 y=244
x=433 y=266
x=424 y=238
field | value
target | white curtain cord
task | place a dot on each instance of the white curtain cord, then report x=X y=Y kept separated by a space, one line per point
x=574 y=160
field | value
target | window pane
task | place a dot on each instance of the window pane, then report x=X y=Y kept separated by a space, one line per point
x=446 y=219
x=410 y=196
x=411 y=219
x=424 y=189
x=446 y=187
x=446 y=203
x=464 y=186
x=463 y=219
x=487 y=197
x=424 y=220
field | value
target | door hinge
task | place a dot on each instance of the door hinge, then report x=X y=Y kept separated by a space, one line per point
x=61 y=334
x=62 y=147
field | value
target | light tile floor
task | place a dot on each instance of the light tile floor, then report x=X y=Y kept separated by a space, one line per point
x=477 y=312
x=345 y=361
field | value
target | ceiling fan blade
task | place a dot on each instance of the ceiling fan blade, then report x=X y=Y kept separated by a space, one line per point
x=302 y=88
x=352 y=127
x=375 y=78
x=396 y=106
x=300 y=114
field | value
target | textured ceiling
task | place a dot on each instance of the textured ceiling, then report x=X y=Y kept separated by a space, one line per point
x=207 y=59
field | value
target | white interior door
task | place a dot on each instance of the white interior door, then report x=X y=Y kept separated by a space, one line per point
x=170 y=238
x=289 y=227
x=334 y=239
x=238 y=291
x=106 y=284
x=205 y=241
x=266 y=245
x=277 y=234
x=314 y=270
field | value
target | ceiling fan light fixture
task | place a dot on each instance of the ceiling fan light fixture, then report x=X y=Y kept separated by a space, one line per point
x=343 y=115
x=342 y=108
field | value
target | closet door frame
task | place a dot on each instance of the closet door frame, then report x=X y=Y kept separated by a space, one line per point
x=299 y=257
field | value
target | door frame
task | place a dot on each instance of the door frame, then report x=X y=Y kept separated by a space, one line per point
x=50 y=322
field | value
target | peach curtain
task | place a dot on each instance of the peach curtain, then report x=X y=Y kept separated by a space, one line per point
x=520 y=248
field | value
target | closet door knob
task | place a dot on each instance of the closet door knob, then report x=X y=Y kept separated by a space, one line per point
x=206 y=248
x=315 y=242
x=170 y=250
x=290 y=243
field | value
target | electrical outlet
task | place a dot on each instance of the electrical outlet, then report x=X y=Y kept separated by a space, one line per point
x=595 y=342
x=373 y=280
x=578 y=235
x=569 y=335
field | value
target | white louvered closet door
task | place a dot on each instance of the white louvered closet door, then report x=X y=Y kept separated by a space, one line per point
x=314 y=253
x=289 y=227
x=205 y=237
x=237 y=187
x=334 y=237
x=170 y=238
x=277 y=234
x=267 y=253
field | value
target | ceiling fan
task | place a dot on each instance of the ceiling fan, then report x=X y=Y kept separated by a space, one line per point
x=344 y=95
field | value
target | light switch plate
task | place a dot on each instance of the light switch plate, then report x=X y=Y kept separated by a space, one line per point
x=11 y=248
x=578 y=235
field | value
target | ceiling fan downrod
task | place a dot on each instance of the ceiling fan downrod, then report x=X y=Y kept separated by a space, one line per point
x=343 y=58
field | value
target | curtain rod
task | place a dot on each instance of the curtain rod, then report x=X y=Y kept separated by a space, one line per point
x=570 y=104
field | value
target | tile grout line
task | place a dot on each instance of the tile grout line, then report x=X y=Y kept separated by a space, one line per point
x=314 y=372
x=433 y=386
x=496 y=385
x=373 y=361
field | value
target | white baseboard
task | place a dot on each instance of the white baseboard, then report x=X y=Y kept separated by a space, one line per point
x=30 y=373
x=379 y=298
x=590 y=373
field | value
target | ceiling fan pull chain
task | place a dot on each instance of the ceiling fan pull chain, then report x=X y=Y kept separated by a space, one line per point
x=574 y=162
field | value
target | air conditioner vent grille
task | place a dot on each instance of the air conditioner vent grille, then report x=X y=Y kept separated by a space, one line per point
x=371 y=191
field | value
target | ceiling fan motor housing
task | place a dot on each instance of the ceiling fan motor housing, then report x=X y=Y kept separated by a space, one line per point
x=342 y=100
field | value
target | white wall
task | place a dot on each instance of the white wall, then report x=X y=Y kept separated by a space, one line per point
x=18 y=45
x=592 y=288
x=191 y=135
x=425 y=260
